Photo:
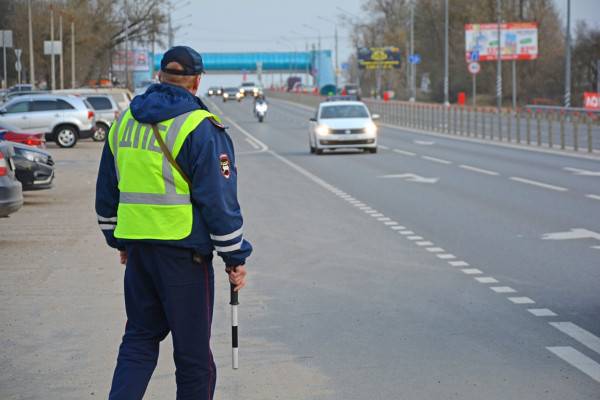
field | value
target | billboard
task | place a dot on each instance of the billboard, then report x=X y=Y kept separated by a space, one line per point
x=378 y=57
x=591 y=101
x=518 y=41
x=138 y=60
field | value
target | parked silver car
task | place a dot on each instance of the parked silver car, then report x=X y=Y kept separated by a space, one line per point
x=107 y=111
x=64 y=119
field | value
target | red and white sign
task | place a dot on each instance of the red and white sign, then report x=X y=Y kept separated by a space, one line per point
x=474 y=68
x=518 y=41
x=591 y=101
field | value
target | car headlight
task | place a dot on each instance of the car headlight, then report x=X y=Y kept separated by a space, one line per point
x=34 y=156
x=371 y=129
x=322 y=130
x=226 y=95
x=238 y=95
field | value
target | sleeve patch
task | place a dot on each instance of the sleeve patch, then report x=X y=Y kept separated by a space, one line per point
x=225 y=165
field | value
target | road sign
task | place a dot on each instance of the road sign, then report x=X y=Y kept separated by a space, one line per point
x=474 y=68
x=18 y=66
x=6 y=39
x=414 y=59
x=474 y=56
x=52 y=47
x=345 y=66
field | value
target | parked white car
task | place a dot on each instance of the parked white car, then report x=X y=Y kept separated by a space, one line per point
x=341 y=125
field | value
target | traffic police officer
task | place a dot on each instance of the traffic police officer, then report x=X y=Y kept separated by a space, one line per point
x=166 y=213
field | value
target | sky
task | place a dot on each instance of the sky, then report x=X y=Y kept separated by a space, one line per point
x=280 y=25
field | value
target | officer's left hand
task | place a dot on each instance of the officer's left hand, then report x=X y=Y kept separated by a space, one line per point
x=237 y=276
x=123 y=256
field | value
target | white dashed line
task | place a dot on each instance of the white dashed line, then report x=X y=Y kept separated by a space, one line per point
x=503 y=289
x=424 y=244
x=377 y=215
x=578 y=360
x=405 y=153
x=486 y=279
x=390 y=223
x=521 y=300
x=538 y=184
x=446 y=256
x=542 y=312
x=371 y=211
x=584 y=337
x=435 y=249
x=592 y=196
x=480 y=170
x=406 y=233
x=383 y=219
x=398 y=227
x=471 y=271
x=415 y=238
x=437 y=160
x=458 y=263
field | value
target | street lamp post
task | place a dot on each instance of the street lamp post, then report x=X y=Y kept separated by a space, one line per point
x=499 y=59
x=31 y=63
x=337 y=65
x=568 y=57
x=446 y=78
x=413 y=80
x=318 y=57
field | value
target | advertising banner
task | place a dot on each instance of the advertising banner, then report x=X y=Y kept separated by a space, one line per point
x=591 y=101
x=378 y=57
x=518 y=41
x=139 y=60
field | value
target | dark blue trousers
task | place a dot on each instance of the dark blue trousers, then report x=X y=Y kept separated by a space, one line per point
x=166 y=290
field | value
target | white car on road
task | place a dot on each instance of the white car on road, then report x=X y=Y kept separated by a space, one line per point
x=341 y=125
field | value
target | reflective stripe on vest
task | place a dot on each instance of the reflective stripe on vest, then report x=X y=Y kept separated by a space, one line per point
x=154 y=199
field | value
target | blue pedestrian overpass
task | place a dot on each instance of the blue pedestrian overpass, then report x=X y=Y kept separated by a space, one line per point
x=315 y=63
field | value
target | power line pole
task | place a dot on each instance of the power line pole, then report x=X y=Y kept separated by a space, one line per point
x=72 y=53
x=446 y=78
x=60 y=38
x=31 y=63
x=499 y=58
x=568 y=58
x=52 y=66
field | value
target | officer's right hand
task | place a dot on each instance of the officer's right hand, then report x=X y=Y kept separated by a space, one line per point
x=237 y=276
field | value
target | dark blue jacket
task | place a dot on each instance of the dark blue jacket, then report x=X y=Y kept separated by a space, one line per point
x=218 y=222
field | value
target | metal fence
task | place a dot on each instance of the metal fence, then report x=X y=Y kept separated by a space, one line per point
x=543 y=127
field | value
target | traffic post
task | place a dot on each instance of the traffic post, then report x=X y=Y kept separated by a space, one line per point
x=18 y=66
x=474 y=68
x=7 y=42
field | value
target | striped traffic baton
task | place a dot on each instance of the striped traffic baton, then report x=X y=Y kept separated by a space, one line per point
x=234 y=326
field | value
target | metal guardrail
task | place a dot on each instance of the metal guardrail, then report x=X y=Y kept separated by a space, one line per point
x=543 y=127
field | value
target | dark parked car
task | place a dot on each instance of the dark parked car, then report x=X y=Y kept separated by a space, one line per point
x=34 y=167
x=11 y=193
x=18 y=135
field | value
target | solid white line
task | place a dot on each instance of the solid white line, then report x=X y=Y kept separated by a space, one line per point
x=480 y=170
x=254 y=145
x=415 y=238
x=503 y=289
x=592 y=196
x=437 y=160
x=486 y=279
x=435 y=249
x=405 y=153
x=424 y=244
x=578 y=360
x=542 y=312
x=446 y=256
x=584 y=337
x=383 y=147
x=471 y=271
x=538 y=184
x=521 y=300
x=407 y=233
x=458 y=263
x=398 y=227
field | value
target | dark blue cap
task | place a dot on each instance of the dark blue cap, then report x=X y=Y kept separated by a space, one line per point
x=188 y=58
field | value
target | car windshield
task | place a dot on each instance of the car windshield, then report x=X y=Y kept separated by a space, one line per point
x=247 y=84
x=231 y=89
x=346 y=111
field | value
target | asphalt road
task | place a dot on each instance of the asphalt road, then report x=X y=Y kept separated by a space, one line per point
x=435 y=285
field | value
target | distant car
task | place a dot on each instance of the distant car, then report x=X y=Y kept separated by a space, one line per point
x=214 y=91
x=250 y=89
x=143 y=86
x=232 y=93
x=17 y=135
x=34 y=167
x=341 y=125
x=64 y=119
x=351 y=90
x=24 y=87
x=121 y=96
x=107 y=111
x=11 y=190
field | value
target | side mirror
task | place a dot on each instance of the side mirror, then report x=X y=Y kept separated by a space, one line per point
x=375 y=117
x=3 y=111
x=313 y=119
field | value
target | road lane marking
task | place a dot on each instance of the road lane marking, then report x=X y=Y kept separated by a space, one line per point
x=471 y=271
x=584 y=337
x=437 y=160
x=503 y=289
x=424 y=142
x=415 y=238
x=521 y=300
x=575 y=233
x=383 y=147
x=383 y=219
x=377 y=215
x=254 y=145
x=398 y=227
x=593 y=196
x=390 y=223
x=425 y=243
x=371 y=211
x=578 y=360
x=542 y=312
x=480 y=170
x=486 y=279
x=583 y=172
x=446 y=256
x=404 y=153
x=435 y=249
x=410 y=178
x=538 y=184
x=458 y=263
x=405 y=233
